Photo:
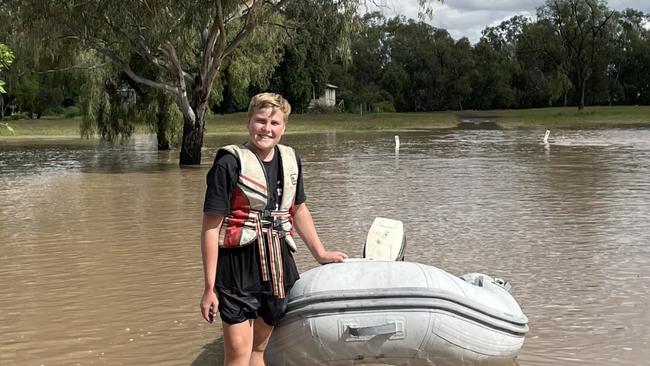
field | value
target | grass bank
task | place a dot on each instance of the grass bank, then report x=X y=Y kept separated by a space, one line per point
x=566 y=117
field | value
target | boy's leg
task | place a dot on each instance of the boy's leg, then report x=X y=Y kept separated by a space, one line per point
x=238 y=343
x=271 y=310
x=261 y=334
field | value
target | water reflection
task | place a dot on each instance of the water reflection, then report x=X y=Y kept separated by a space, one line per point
x=99 y=244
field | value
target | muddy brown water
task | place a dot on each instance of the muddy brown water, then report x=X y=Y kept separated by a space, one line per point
x=99 y=246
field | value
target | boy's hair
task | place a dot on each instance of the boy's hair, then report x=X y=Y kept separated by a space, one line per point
x=269 y=100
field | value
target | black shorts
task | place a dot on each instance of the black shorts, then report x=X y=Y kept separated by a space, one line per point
x=241 y=291
x=236 y=308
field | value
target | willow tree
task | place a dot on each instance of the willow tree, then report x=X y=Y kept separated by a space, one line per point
x=188 y=41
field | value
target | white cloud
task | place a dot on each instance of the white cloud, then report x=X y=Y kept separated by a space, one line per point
x=467 y=18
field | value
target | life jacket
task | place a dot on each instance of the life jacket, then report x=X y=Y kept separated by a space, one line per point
x=249 y=220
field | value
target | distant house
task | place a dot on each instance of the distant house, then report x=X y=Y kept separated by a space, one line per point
x=328 y=98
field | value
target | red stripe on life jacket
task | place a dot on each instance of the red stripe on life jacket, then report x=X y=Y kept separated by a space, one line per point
x=254 y=182
x=236 y=222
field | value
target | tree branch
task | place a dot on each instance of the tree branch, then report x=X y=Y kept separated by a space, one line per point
x=137 y=78
x=182 y=96
x=74 y=67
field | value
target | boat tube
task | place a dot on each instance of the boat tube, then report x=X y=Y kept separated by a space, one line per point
x=397 y=313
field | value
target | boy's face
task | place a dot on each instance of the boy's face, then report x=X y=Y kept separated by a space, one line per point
x=265 y=129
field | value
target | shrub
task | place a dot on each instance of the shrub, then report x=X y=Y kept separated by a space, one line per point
x=323 y=109
x=72 y=111
x=17 y=116
x=384 y=106
x=58 y=110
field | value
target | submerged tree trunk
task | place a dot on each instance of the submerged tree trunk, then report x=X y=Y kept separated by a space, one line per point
x=192 y=142
x=194 y=121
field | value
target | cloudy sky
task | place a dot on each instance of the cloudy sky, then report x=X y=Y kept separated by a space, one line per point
x=467 y=18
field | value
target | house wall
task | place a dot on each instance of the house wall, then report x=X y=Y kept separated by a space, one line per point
x=327 y=99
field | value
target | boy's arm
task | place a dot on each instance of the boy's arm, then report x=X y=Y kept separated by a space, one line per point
x=210 y=250
x=304 y=224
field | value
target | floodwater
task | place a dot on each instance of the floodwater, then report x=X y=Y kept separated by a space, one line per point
x=99 y=246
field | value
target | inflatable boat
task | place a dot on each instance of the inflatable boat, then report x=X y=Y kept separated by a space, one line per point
x=387 y=312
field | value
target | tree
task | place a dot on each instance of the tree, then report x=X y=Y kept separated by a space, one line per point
x=585 y=27
x=317 y=34
x=187 y=40
x=459 y=74
x=629 y=71
x=370 y=66
x=42 y=78
x=544 y=67
x=505 y=36
x=409 y=47
x=6 y=58
x=112 y=103
x=492 y=78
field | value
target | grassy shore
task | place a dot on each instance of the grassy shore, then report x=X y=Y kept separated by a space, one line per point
x=568 y=117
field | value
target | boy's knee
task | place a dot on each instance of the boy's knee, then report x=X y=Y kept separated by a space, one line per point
x=239 y=346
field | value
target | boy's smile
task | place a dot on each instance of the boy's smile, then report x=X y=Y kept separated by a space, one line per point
x=265 y=129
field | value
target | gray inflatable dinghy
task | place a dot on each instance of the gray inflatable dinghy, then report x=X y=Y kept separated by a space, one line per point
x=386 y=312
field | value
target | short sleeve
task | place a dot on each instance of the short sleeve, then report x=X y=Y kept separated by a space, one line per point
x=300 y=187
x=220 y=182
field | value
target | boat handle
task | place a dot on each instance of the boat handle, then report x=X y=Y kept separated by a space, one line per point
x=388 y=328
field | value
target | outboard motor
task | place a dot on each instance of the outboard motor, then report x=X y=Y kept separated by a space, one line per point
x=385 y=241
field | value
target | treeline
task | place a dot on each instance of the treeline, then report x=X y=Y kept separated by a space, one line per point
x=598 y=57
x=575 y=53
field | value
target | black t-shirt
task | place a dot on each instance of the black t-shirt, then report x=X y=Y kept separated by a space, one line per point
x=238 y=269
x=222 y=179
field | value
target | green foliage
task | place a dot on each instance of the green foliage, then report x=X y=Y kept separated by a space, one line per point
x=492 y=80
x=250 y=66
x=629 y=73
x=574 y=52
x=318 y=31
x=188 y=43
x=39 y=81
x=408 y=65
x=113 y=105
x=384 y=107
x=586 y=29
x=6 y=56
x=520 y=63
x=323 y=109
x=71 y=111
x=8 y=127
x=6 y=59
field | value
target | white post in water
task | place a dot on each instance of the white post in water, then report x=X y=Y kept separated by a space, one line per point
x=396 y=142
x=548 y=132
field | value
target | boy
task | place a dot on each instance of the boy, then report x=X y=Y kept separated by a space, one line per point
x=253 y=201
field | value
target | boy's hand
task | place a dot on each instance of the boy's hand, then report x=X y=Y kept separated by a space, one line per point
x=209 y=305
x=331 y=256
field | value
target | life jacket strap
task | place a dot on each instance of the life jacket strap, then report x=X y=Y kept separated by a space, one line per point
x=269 y=237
